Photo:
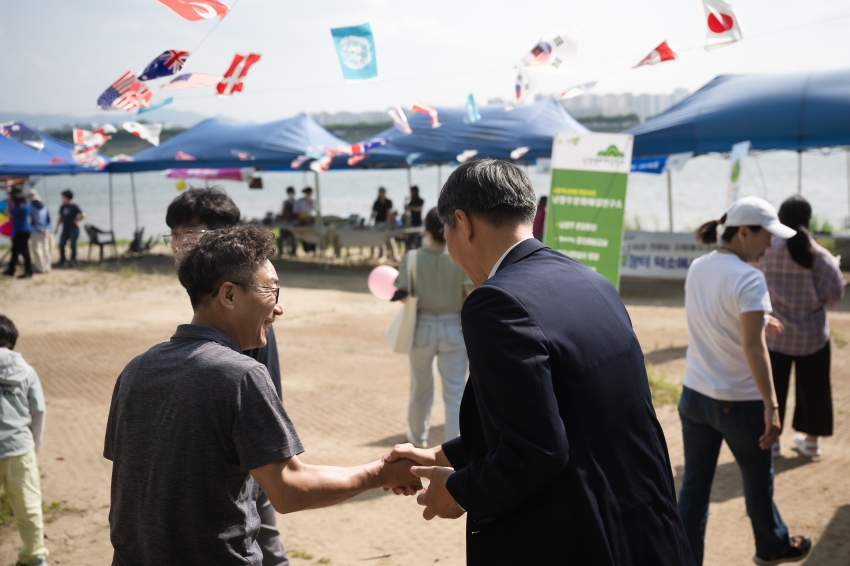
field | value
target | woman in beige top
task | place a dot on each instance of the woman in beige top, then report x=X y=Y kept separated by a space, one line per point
x=441 y=286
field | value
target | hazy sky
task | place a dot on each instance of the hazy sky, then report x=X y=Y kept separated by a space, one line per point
x=57 y=56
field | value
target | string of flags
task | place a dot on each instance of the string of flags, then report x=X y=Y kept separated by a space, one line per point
x=658 y=55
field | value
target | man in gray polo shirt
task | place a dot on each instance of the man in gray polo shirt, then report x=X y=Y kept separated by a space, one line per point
x=195 y=425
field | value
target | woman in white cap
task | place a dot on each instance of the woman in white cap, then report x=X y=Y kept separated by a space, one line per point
x=728 y=391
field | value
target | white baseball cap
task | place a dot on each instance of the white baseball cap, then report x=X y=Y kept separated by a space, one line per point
x=755 y=211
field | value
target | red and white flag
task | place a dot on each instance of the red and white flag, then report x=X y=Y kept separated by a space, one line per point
x=180 y=156
x=658 y=55
x=400 y=121
x=231 y=82
x=138 y=95
x=423 y=108
x=355 y=159
x=148 y=132
x=93 y=138
x=299 y=161
x=197 y=10
x=322 y=164
x=722 y=27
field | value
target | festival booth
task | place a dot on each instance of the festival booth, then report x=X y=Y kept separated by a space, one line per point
x=46 y=156
x=789 y=111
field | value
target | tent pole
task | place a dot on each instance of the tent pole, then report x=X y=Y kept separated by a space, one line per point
x=848 y=185
x=111 y=223
x=799 y=172
x=670 y=197
x=135 y=205
x=409 y=181
x=320 y=223
x=47 y=200
x=439 y=176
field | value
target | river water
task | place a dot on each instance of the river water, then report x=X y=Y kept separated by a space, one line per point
x=699 y=191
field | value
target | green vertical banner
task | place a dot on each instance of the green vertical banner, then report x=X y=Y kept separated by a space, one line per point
x=584 y=219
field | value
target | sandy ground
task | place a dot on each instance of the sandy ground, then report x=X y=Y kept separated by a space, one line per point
x=347 y=396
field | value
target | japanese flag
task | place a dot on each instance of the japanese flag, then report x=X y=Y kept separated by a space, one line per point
x=148 y=132
x=721 y=24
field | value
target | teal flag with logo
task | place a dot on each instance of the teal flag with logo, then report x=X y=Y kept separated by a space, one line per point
x=355 y=47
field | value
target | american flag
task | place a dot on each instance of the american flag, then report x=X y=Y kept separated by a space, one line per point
x=184 y=156
x=137 y=95
x=168 y=63
x=191 y=80
x=116 y=89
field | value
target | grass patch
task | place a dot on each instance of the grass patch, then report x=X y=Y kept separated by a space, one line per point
x=663 y=392
x=59 y=509
x=301 y=554
x=839 y=339
x=5 y=510
x=324 y=560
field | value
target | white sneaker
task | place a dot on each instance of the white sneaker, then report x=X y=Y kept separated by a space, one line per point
x=807 y=447
x=777 y=449
x=409 y=437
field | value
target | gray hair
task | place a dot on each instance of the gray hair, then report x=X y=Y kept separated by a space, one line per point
x=495 y=191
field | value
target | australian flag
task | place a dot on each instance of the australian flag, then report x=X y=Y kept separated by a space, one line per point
x=169 y=63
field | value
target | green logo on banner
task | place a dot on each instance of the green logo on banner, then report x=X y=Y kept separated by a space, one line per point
x=736 y=170
x=612 y=151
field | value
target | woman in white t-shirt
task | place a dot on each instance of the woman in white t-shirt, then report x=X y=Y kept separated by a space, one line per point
x=728 y=391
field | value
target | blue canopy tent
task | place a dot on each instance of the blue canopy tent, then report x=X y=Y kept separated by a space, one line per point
x=55 y=158
x=217 y=144
x=495 y=135
x=790 y=111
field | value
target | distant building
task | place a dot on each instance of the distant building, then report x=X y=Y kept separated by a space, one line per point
x=643 y=105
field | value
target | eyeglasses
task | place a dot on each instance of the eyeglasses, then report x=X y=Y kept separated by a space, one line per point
x=275 y=290
x=180 y=235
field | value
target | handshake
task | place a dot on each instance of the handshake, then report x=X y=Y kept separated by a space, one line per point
x=398 y=475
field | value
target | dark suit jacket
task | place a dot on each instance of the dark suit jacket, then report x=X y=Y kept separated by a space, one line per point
x=561 y=457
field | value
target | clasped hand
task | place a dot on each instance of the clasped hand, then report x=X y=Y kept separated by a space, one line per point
x=436 y=498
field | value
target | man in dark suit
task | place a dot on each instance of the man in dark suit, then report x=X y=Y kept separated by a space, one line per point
x=561 y=459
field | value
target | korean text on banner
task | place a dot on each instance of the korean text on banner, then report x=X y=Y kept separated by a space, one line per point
x=355 y=47
x=588 y=195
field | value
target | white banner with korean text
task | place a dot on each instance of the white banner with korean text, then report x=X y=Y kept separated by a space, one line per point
x=659 y=255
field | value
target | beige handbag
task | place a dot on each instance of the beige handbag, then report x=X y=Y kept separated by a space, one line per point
x=401 y=331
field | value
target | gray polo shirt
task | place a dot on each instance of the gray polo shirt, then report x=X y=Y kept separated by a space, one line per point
x=189 y=418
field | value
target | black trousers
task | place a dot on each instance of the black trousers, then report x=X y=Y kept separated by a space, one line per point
x=20 y=246
x=813 y=410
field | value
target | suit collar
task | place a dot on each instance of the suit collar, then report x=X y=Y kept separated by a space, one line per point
x=521 y=251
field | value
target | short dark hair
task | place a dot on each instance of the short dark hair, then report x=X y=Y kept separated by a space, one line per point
x=496 y=191
x=8 y=333
x=211 y=206
x=232 y=254
x=290 y=190
x=68 y=194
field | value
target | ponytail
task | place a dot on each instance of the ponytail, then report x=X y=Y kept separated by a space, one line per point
x=707 y=233
x=796 y=212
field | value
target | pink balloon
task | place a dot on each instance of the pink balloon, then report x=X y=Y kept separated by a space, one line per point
x=381 y=281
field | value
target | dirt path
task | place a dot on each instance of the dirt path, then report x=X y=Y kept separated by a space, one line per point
x=347 y=396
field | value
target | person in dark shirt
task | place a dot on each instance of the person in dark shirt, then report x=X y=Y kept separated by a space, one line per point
x=382 y=207
x=21 y=229
x=195 y=427
x=414 y=208
x=193 y=213
x=70 y=216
